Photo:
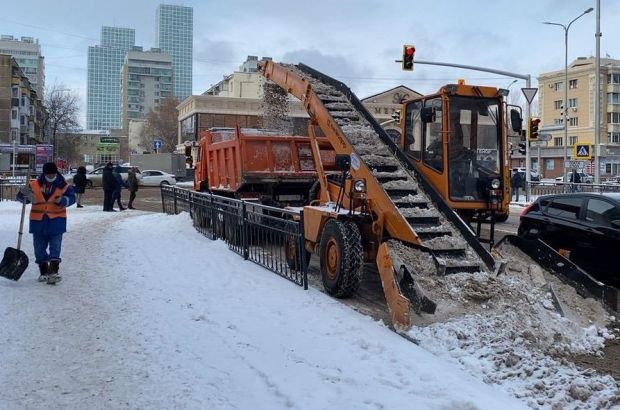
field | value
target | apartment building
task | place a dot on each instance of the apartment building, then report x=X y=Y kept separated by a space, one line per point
x=580 y=115
x=146 y=79
x=27 y=53
x=22 y=117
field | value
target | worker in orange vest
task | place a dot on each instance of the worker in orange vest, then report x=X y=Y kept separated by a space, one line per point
x=50 y=195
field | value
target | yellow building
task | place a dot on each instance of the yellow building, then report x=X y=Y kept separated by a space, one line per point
x=580 y=115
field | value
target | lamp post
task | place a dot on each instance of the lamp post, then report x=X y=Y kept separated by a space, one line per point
x=565 y=108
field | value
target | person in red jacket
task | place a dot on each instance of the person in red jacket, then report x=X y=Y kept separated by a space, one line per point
x=50 y=195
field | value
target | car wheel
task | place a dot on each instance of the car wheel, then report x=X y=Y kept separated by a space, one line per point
x=89 y=184
x=164 y=183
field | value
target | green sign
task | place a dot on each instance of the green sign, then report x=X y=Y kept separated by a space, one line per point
x=107 y=147
x=108 y=140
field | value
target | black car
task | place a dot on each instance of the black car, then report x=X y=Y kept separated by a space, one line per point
x=585 y=224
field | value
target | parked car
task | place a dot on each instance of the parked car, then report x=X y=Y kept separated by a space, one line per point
x=93 y=178
x=585 y=224
x=584 y=178
x=153 y=177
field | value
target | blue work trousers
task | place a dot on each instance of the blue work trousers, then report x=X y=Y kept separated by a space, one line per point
x=42 y=243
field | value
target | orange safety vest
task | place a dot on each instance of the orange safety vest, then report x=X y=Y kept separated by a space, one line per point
x=42 y=207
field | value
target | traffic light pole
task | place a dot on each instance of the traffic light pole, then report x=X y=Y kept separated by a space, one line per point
x=528 y=80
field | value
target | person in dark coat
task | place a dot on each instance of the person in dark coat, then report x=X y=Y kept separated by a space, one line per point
x=50 y=195
x=515 y=183
x=79 y=184
x=109 y=186
x=132 y=184
x=119 y=186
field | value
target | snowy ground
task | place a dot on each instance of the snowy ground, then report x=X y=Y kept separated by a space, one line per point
x=152 y=315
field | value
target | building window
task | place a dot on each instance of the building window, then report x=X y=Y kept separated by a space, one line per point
x=613 y=78
x=558 y=121
x=557 y=104
x=613 y=98
x=613 y=137
x=573 y=122
x=558 y=86
x=572 y=84
x=13 y=114
x=557 y=141
x=613 y=117
x=572 y=103
x=549 y=164
x=572 y=140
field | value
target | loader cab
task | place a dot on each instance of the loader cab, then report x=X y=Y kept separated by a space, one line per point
x=456 y=139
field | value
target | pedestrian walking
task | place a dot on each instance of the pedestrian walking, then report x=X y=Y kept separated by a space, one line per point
x=132 y=184
x=79 y=184
x=119 y=187
x=50 y=195
x=109 y=186
x=515 y=183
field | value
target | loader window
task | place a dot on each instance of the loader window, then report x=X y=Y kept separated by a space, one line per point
x=413 y=130
x=473 y=146
x=433 y=143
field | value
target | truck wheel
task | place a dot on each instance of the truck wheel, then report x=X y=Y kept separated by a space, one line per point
x=502 y=217
x=293 y=258
x=341 y=256
x=89 y=184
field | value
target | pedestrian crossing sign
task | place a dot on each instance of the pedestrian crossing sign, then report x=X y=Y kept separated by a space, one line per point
x=582 y=151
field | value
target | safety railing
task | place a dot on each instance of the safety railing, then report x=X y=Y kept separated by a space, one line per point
x=271 y=237
x=546 y=188
x=9 y=187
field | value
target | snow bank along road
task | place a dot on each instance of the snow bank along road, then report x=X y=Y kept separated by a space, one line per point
x=153 y=315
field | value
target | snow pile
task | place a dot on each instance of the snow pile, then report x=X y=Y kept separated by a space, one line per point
x=153 y=315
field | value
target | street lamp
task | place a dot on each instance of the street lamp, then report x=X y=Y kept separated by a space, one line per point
x=565 y=108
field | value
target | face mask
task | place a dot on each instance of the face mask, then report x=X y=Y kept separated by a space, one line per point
x=50 y=180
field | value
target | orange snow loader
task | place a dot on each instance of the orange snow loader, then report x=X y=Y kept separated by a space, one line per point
x=393 y=206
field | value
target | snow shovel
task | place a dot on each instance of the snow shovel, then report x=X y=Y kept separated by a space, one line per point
x=15 y=261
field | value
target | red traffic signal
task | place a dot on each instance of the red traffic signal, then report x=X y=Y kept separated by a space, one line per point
x=408 y=56
x=534 y=128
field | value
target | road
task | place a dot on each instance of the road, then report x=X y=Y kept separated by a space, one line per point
x=147 y=198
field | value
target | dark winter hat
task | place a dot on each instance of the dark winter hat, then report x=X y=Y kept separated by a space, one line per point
x=49 y=168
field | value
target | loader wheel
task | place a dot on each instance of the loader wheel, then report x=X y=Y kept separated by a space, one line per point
x=341 y=256
x=293 y=258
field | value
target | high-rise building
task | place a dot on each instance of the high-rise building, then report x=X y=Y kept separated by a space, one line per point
x=175 y=37
x=27 y=53
x=103 y=110
x=146 y=79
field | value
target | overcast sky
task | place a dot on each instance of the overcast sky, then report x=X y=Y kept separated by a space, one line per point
x=353 y=41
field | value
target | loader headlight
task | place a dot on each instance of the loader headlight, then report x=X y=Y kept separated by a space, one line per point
x=359 y=185
x=495 y=183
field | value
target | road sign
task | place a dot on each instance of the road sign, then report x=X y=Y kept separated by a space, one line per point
x=529 y=94
x=575 y=164
x=157 y=144
x=544 y=137
x=582 y=151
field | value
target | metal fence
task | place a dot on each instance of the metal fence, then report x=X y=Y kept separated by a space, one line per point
x=271 y=237
x=538 y=188
x=9 y=187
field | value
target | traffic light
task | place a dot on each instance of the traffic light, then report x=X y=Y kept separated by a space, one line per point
x=533 y=128
x=522 y=148
x=408 y=54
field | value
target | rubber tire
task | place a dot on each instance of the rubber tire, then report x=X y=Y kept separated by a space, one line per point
x=164 y=183
x=89 y=184
x=346 y=237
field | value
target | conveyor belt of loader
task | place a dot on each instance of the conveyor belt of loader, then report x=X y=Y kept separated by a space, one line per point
x=453 y=247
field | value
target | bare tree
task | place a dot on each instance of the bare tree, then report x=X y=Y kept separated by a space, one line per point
x=162 y=123
x=62 y=109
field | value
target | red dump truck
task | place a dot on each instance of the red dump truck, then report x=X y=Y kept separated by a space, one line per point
x=260 y=165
